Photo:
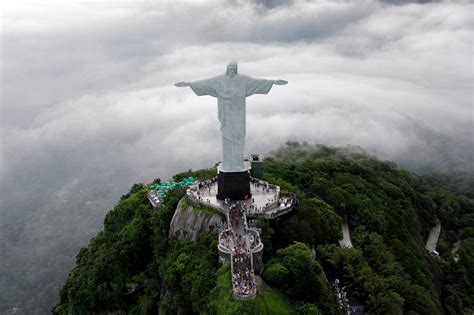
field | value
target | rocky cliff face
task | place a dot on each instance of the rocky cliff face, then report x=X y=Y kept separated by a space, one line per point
x=189 y=221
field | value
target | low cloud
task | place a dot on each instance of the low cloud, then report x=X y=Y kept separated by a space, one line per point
x=89 y=106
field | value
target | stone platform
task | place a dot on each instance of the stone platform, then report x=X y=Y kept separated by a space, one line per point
x=238 y=243
x=266 y=201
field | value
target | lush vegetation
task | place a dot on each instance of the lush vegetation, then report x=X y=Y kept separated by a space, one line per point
x=132 y=265
x=390 y=212
x=299 y=276
x=268 y=301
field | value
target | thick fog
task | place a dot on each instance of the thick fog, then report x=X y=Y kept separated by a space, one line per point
x=88 y=105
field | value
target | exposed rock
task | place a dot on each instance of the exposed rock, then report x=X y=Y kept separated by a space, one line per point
x=188 y=221
x=259 y=281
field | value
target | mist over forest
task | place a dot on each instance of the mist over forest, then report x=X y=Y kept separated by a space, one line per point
x=88 y=105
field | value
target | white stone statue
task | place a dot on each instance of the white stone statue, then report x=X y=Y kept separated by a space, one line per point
x=231 y=90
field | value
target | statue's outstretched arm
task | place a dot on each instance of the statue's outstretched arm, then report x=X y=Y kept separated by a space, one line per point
x=201 y=87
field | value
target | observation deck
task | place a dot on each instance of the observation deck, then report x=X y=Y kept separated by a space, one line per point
x=238 y=243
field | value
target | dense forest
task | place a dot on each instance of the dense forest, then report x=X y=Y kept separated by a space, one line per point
x=132 y=266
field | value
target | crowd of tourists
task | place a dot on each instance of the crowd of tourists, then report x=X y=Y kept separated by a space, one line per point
x=198 y=196
x=226 y=238
x=273 y=205
x=254 y=240
x=239 y=247
x=262 y=185
x=203 y=189
x=237 y=243
x=254 y=209
x=241 y=256
x=236 y=237
x=283 y=201
x=207 y=185
x=243 y=282
x=236 y=212
x=242 y=278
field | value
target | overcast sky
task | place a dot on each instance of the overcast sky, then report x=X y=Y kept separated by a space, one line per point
x=88 y=95
x=88 y=105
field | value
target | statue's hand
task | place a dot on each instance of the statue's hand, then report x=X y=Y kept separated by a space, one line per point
x=280 y=82
x=181 y=84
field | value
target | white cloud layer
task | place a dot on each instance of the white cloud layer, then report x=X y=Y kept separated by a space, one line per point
x=88 y=99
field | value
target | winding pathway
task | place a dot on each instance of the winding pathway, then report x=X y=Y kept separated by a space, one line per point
x=346 y=236
x=433 y=237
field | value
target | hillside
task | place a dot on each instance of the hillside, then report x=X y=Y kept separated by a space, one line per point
x=133 y=267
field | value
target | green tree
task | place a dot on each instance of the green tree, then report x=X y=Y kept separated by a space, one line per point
x=298 y=275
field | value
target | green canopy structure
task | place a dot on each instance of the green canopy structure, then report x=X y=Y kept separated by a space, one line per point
x=162 y=188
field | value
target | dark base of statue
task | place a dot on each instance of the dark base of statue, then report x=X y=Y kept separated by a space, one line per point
x=233 y=185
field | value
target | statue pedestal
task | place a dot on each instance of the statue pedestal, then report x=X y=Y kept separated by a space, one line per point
x=233 y=185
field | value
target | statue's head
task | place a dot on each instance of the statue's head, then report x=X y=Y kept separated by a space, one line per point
x=231 y=68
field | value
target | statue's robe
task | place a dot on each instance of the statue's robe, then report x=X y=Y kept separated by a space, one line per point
x=231 y=93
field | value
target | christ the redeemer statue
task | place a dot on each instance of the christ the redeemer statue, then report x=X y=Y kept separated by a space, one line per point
x=231 y=90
